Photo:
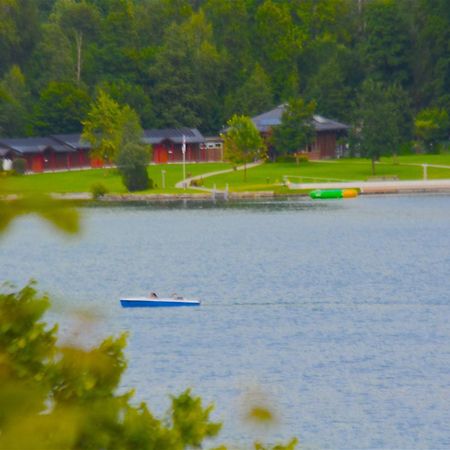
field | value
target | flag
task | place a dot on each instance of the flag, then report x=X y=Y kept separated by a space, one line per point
x=183 y=147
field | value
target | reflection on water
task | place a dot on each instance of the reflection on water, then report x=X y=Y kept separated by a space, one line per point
x=251 y=205
x=336 y=311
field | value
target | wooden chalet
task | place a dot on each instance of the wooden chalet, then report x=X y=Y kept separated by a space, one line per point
x=69 y=151
x=327 y=132
x=82 y=149
x=167 y=145
x=40 y=153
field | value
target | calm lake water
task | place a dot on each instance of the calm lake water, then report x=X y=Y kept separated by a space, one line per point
x=333 y=313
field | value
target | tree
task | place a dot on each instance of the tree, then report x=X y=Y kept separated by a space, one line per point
x=232 y=32
x=376 y=129
x=115 y=51
x=186 y=77
x=132 y=163
x=19 y=32
x=61 y=108
x=279 y=44
x=386 y=50
x=79 y=20
x=109 y=127
x=242 y=142
x=331 y=86
x=131 y=94
x=431 y=126
x=52 y=59
x=253 y=97
x=14 y=101
x=432 y=55
x=296 y=130
x=65 y=396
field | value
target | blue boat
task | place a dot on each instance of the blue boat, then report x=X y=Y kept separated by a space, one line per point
x=145 y=302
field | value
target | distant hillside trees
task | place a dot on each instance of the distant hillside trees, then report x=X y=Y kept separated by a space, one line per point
x=432 y=126
x=196 y=63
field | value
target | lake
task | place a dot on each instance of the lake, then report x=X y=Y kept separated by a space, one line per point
x=334 y=313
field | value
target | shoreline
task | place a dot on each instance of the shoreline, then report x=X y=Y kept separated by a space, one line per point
x=364 y=188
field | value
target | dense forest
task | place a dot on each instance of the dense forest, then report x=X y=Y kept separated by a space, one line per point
x=195 y=63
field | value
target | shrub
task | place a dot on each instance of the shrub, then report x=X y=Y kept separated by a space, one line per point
x=132 y=164
x=19 y=166
x=197 y=182
x=98 y=190
x=302 y=157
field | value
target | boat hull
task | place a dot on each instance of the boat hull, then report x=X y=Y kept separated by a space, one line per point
x=156 y=302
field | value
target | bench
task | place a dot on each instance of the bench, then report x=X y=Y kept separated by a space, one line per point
x=384 y=178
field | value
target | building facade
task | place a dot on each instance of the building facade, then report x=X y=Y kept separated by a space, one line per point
x=70 y=151
x=327 y=132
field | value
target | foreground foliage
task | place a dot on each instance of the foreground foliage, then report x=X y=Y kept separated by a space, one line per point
x=65 y=396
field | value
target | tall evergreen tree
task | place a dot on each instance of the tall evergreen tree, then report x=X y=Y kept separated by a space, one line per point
x=61 y=108
x=279 y=44
x=376 y=130
x=432 y=63
x=253 y=97
x=52 y=59
x=386 y=46
x=186 y=77
x=14 y=104
x=296 y=130
x=79 y=21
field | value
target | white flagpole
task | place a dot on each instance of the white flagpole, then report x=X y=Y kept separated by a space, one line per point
x=183 y=150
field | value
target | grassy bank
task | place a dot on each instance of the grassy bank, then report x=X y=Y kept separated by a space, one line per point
x=268 y=177
x=82 y=180
x=271 y=175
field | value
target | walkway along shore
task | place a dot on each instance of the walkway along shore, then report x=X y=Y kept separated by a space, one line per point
x=365 y=187
x=381 y=187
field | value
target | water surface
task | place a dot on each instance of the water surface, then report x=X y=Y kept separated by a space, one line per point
x=335 y=313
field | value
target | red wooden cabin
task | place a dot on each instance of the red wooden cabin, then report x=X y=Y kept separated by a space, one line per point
x=168 y=144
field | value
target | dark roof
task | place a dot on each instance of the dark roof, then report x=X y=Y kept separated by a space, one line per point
x=192 y=135
x=34 y=145
x=72 y=140
x=272 y=118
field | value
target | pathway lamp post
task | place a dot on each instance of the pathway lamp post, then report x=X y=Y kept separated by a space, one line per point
x=183 y=150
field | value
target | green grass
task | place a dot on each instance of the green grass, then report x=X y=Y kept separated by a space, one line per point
x=268 y=177
x=82 y=180
x=442 y=159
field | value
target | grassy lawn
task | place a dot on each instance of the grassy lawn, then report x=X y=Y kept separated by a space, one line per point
x=268 y=176
x=443 y=159
x=82 y=180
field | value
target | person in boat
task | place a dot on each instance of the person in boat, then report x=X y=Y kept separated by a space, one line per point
x=153 y=295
